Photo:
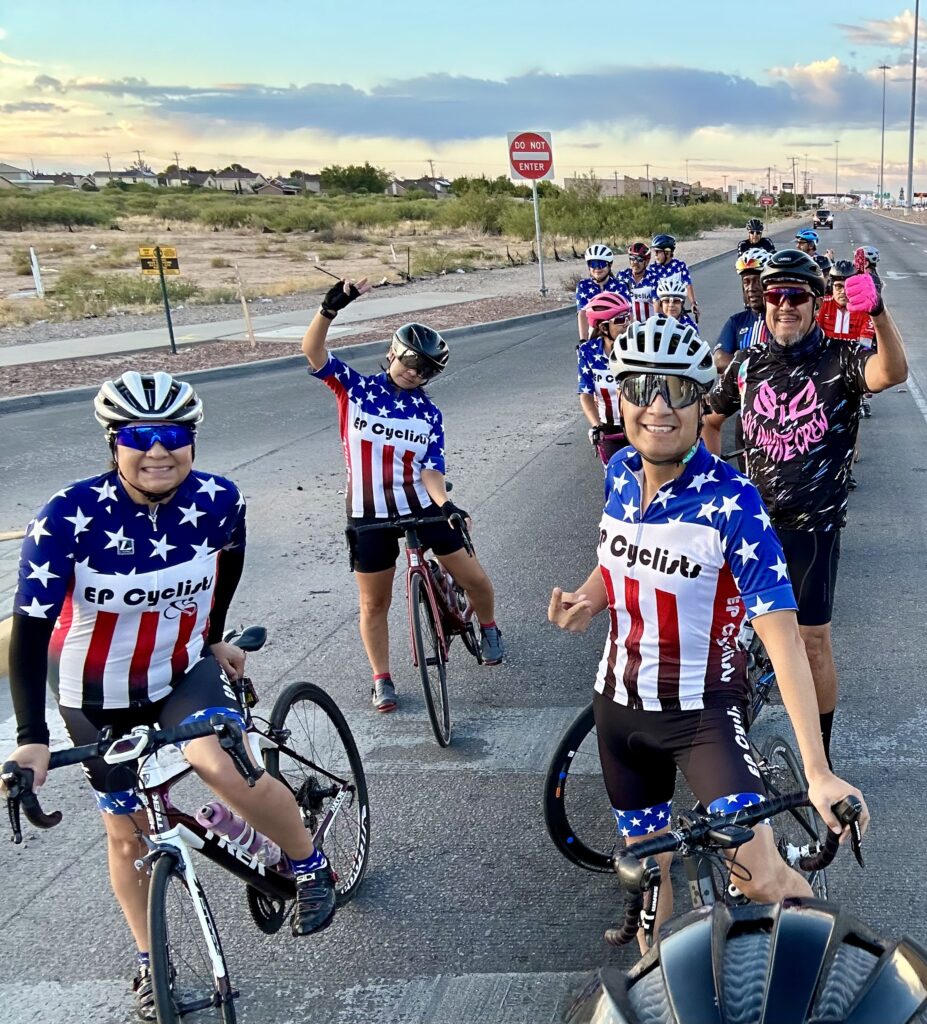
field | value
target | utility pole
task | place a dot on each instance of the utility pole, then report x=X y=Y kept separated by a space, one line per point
x=724 y=179
x=687 y=170
x=883 y=68
x=794 y=160
x=908 y=197
x=434 y=184
x=109 y=166
x=769 y=181
x=177 y=165
x=649 y=186
x=616 y=184
x=138 y=153
x=836 y=168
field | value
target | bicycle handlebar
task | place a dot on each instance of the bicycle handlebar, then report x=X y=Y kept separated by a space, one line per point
x=406 y=523
x=19 y=781
x=638 y=871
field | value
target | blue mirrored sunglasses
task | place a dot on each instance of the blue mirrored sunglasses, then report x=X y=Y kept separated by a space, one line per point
x=144 y=436
x=597 y=264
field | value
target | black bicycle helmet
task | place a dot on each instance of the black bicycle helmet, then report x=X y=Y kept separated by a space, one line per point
x=425 y=341
x=754 y=224
x=792 y=266
x=663 y=242
x=841 y=270
x=803 y=961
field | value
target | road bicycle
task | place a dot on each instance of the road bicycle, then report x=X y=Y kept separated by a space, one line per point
x=439 y=610
x=607 y=439
x=577 y=810
x=307 y=745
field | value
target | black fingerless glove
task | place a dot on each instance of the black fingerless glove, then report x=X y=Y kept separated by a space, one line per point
x=449 y=509
x=336 y=298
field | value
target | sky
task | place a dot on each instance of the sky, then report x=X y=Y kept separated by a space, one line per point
x=721 y=88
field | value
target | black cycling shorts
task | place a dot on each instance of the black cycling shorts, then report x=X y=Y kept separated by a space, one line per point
x=641 y=750
x=204 y=687
x=812 y=557
x=377 y=550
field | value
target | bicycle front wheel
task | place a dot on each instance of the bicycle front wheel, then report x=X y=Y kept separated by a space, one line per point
x=188 y=969
x=577 y=810
x=801 y=826
x=430 y=658
x=317 y=760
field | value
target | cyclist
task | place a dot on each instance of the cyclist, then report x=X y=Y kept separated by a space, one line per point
x=747 y=327
x=800 y=397
x=125 y=580
x=392 y=436
x=671 y=298
x=872 y=257
x=667 y=264
x=640 y=281
x=685 y=553
x=755 y=238
x=806 y=240
x=599 y=259
x=608 y=316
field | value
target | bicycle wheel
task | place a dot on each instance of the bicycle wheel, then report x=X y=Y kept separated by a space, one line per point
x=317 y=760
x=577 y=810
x=783 y=773
x=183 y=950
x=430 y=658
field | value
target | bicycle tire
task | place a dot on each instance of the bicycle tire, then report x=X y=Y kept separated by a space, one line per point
x=317 y=728
x=182 y=971
x=577 y=810
x=783 y=773
x=432 y=669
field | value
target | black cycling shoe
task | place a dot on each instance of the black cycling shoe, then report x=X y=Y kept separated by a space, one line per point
x=314 y=908
x=144 y=995
x=852 y=483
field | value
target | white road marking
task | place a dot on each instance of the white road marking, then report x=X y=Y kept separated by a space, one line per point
x=917 y=394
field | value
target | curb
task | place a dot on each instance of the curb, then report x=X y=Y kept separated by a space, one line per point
x=48 y=399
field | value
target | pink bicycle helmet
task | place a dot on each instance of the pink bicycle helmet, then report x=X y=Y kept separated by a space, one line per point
x=605 y=306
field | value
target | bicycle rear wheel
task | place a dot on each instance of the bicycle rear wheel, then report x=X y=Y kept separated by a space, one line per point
x=317 y=760
x=783 y=773
x=430 y=658
x=577 y=810
x=184 y=952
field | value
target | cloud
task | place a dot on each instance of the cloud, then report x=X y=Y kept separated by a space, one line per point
x=14 y=62
x=896 y=32
x=29 y=106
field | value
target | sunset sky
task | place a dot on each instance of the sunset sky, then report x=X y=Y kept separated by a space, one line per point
x=731 y=87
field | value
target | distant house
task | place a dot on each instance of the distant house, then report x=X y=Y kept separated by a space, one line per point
x=235 y=181
x=130 y=177
x=79 y=181
x=280 y=187
x=438 y=187
x=17 y=177
x=197 y=178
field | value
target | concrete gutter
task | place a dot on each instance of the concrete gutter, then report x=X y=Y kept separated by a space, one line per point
x=6 y=614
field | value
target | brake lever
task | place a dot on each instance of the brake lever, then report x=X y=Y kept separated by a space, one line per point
x=230 y=739
x=18 y=783
x=456 y=520
x=847 y=812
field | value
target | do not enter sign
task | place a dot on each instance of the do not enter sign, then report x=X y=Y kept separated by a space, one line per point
x=767 y=201
x=531 y=156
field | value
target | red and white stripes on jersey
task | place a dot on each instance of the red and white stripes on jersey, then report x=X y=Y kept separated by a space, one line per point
x=595 y=378
x=388 y=437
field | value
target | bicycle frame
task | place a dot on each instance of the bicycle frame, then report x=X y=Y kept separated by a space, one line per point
x=417 y=566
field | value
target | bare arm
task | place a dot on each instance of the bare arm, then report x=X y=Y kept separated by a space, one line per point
x=436 y=486
x=722 y=359
x=711 y=431
x=582 y=325
x=336 y=298
x=889 y=365
x=587 y=404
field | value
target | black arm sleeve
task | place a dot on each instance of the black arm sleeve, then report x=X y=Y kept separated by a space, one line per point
x=230 y=566
x=29 y=638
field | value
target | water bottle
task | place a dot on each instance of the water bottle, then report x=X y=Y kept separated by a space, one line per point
x=219 y=819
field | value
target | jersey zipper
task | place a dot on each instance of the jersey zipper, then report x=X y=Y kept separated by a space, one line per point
x=153 y=516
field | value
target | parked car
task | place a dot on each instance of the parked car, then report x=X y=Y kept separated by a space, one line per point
x=823 y=219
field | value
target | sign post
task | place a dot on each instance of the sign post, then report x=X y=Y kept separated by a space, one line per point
x=531 y=158
x=161 y=260
x=36 y=274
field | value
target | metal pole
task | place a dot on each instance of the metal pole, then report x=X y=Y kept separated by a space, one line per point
x=167 y=305
x=908 y=197
x=836 y=168
x=537 y=235
x=883 y=68
x=244 y=308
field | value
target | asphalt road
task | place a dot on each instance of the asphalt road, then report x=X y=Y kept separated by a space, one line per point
x=468 y=914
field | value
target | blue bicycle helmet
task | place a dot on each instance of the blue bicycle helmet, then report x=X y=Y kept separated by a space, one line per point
x=807 y=235
x=663 y=242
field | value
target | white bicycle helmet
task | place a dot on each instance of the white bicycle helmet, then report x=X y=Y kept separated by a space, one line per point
x=871 y=253
x=752 y=261
x=671 y=287
x=598 y=251
x=146 y=397
x=662 y=345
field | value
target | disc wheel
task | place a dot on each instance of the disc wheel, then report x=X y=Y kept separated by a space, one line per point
x=801 y=826
x=430 y=658
x=182 y=971
x=317 y=760
x=577 y=810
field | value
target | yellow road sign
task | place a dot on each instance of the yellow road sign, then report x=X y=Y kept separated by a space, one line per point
x=149 y=260
x=168 y=252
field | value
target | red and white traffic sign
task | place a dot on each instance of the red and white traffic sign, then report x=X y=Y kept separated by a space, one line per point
x=531 y=156
x=767 y=201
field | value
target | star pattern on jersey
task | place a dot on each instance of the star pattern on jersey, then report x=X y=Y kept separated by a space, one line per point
x=80 y=521
x=746 y=551
x=780 y=569
x=210 y=486
x=700 y=479
x=729 y=505
x=643 y=822
x=192 y=513
x=106 y=491
x=708 y=509
x=619 y=483
x=161 y=547
x=760 y=607
x=42 y=573
x=201 y=550
x=38 y=531
x=35 y=610
x=763 y=517
x=630 y=510
x=115 y=539
x=663 y=496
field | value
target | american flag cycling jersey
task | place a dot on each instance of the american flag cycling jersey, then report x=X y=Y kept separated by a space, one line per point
x=388 y=436
x=130 y=590
x=588 y=289
x=677 y=580
x=643 y=293
x=845 y=324
x=673 y=267
x=596 y=379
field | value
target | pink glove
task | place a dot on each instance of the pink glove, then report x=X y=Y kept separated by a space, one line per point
x=862 y=296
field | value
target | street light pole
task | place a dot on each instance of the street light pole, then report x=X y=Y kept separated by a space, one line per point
x=883 y=68
x=908 y=197
x=836 y=168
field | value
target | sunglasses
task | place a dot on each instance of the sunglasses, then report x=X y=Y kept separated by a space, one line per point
x=597 y=264
x=637 y=259
x=677 y=392
x=667 y=252
x=794 y=296
x=144 y=436
x=622 y=320
x=416 y=362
